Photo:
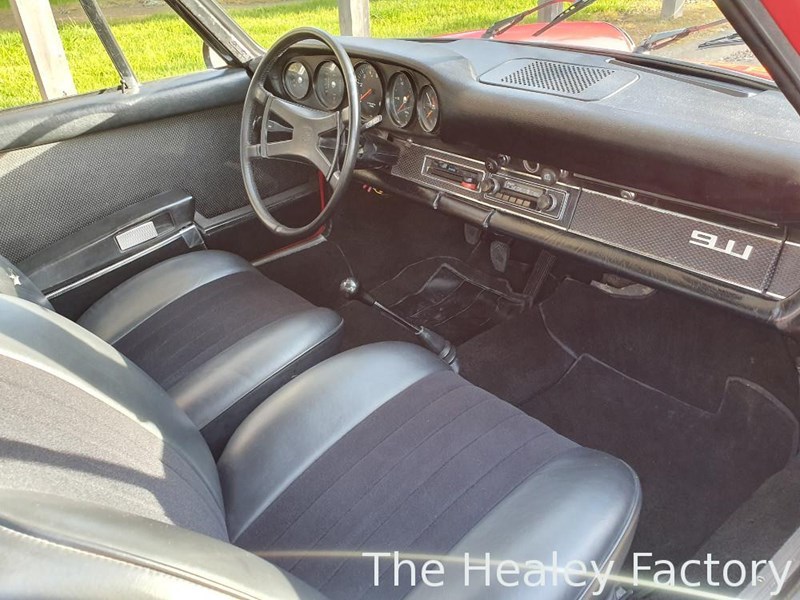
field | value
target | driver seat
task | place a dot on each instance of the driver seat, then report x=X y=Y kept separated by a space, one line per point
x=209 y=328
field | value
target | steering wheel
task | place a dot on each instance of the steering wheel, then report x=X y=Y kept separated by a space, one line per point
x=307 y=127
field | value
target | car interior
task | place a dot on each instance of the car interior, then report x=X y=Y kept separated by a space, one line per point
x=434 y=296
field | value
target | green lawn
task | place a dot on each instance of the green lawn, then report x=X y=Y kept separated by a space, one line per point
x=6 y=4
x=163 y=45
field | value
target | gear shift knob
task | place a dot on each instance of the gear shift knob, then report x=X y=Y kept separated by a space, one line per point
x=351 y=289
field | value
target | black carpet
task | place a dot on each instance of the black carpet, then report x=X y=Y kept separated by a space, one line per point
x=696 y=468
x=631 y=377
x=684 y=348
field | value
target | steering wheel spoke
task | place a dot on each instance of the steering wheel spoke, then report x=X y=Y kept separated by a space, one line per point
x=260 y=94
x=255 y=151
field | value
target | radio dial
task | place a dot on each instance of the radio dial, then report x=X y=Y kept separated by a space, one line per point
x=546 y=202
x=490 y=185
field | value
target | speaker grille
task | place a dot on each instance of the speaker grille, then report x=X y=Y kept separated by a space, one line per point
x=563 y=78
x=583 y=82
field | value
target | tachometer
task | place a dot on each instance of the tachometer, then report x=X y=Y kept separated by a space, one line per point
x=329 y=85
x=296 y=80
x=401 y=100
x=428 y=108
x=370 y=90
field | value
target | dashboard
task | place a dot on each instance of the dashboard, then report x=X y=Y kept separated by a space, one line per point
x=678 y=180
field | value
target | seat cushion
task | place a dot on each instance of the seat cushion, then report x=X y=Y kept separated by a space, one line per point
x=215 y=333
x=383 y=448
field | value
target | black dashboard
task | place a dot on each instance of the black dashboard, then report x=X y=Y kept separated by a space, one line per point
x=683 y=181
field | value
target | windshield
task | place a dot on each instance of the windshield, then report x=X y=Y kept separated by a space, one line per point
x=687 y=30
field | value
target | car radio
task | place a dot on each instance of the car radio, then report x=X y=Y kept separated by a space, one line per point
x=500 y=188
x=534 y=196
x=524 y=194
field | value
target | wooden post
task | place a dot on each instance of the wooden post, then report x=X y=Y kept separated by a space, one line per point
x=548 y=13
x=354 y=17
x=43 y=44
x=672 y=9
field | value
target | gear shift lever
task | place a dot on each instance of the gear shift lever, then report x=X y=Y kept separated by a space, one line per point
x=352 y=290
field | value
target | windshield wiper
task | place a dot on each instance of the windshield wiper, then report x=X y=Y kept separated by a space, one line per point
x=504 y=25
x=733 y=39
x=565 y=14
x=658 y=40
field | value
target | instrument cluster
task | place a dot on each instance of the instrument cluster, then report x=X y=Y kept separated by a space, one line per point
x=399 y=97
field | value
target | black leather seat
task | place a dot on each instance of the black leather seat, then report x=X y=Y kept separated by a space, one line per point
x=213 y=331
x=108 y=490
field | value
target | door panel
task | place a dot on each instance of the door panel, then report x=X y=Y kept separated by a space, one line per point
x=52 y=189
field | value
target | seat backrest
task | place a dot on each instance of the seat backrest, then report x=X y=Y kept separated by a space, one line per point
x=106 y=487
x=78 y=420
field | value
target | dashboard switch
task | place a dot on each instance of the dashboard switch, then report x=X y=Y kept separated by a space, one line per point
x=493 y=164
x=469 y=183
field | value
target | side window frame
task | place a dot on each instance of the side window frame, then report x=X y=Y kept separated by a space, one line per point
x=40 y=51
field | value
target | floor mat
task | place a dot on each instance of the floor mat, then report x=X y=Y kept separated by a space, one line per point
x=684 y=348
x=660 y=383
x=696 y=468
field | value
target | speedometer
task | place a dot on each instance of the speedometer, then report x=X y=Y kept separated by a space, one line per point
x=329 y=85
x=370 y=90
x=296 y=80
x=401 y=100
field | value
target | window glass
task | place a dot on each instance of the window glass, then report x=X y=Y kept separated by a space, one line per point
x=156 y=42
x=619 y=25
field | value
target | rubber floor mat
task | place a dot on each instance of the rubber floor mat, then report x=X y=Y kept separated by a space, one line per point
x=455 y=303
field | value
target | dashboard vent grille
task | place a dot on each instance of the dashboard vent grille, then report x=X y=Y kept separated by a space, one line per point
x=563 y=78
x=579 y=81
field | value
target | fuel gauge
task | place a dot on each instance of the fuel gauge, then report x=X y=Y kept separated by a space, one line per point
x=428 y=108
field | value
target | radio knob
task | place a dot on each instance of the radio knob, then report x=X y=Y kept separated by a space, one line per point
x=490 y=185
x=494 y=163
x=546 y=202
x=549 y=177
